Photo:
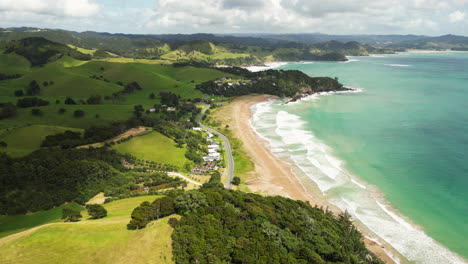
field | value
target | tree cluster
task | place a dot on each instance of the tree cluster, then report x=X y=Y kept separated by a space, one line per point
x=31 y=102
x=223 y=226
x=147 y=212
x=281 y=83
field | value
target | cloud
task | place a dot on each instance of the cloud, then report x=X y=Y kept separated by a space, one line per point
x=430 y=17
x=456 y=16
x=67 y=8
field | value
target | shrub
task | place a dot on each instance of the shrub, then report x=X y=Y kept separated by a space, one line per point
x=70 y=101
x=236 y=181
x=96 y=211
x=78 y=113
x=36 y=112
x=19 y=93
x=71 y=215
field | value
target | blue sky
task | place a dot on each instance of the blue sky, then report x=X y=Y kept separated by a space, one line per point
x=428 y=17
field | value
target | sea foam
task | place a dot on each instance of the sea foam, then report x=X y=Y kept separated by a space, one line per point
x=287 y=134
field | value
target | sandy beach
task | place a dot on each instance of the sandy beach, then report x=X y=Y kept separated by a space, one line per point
x=273 y=176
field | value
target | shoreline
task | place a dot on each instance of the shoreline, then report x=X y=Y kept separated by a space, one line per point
x=274 y=176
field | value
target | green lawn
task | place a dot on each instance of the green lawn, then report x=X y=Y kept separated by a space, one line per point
x=154 y=147
x=24 y=140
x=17 y=223
x=94 y=241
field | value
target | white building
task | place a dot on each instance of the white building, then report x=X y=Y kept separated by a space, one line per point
x=197 y=128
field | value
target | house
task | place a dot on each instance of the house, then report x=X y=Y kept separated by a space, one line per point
x=213 y=146
x=171 y=109
x=152 y=110
x=208 y=159
x=197 y=128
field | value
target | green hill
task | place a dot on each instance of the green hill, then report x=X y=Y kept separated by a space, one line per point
x=40 y=51
x=24 y=140
x=154 y=147
x=105 y=240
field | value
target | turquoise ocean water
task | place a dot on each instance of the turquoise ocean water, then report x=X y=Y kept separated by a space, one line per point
x=406 y=133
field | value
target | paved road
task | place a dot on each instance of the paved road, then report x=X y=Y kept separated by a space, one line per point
x=227 y=148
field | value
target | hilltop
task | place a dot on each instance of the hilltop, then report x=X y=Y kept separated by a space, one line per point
x=39 y=51
x=207 y=48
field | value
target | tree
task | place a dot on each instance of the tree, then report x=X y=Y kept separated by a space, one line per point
x=36 y=112
x=152 y=96
x=7 y=110
x=96 y=211
x=236 y=181
x=190 y=201
x=94 y=99
x=78 y=113
x=71 y=215
x=62 y=111
x=19 y=93
x=33 y=88
x=173 y=222
x=70 y=101
x=3 y=144
x=139 y=216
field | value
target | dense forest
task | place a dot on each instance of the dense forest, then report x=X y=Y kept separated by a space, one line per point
x=225 y=226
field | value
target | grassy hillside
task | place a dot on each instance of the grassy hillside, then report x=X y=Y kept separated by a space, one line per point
x=105 y=240
x=154 y=147
x=17 y=223
x=13 y=64
x=24 y=140
x=72 y=78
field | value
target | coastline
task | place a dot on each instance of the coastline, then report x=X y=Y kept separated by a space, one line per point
x=274 y=176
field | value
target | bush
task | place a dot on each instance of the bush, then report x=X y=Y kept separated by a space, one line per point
x=96 y=211
x=78 y=113
x=236 y=181
x=36 y=112
x=62 y=111
x=70 y=101
x=19 y=93
x=33 y=88
x=7 y=110
x=3 y=144
x=71 y=215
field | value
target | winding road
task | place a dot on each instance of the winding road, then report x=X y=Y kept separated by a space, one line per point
x=227 y=148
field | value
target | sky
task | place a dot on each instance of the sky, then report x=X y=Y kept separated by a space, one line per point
x=421 y=17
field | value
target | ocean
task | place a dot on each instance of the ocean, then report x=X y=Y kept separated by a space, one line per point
x=394 y=154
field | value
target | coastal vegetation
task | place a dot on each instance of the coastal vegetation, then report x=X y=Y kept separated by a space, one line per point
x=291 y=83
x=219 y=225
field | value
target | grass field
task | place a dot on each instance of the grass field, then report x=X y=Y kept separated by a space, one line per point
x=93 y=241
x=154 y=147
x=24 y=140
x=17 y=223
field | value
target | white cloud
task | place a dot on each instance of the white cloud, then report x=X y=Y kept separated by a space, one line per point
x=231 y=16
x=456 y=16
x=71 y=8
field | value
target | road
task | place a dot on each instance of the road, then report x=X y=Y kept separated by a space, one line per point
x=227 y=148
x=183 y=177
